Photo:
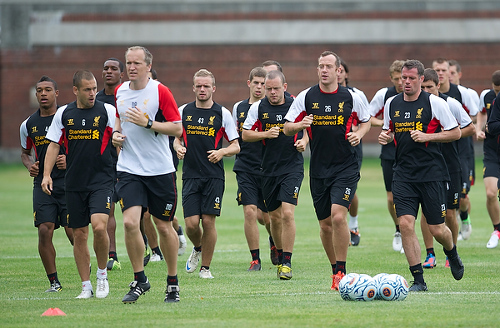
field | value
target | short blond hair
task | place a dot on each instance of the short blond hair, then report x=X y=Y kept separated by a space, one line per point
x=204 y=73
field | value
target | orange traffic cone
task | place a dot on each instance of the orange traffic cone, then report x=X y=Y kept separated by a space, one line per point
x=53 y=312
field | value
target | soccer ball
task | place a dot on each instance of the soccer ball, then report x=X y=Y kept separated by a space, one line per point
x=347 y=283
x=378 y=279
x=393 y=287
x=357 y=287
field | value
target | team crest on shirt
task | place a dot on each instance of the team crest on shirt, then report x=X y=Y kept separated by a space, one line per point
x=211 y=120
x=242 y=114
x=34 y=129
x=146 y=102
x=71 y=121
x=396 y=114
x=341 y=107
x=315 y=106
x=265 y=116
x=96 y=120
x=419 y=112
x=189 y=118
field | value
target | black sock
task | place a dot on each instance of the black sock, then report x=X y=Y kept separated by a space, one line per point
x=204 y=267
x=112 y=255
x=418 y=273
x=464 y=215
x=255 y=254
x=397 y=228
x=140 y=276
x=156 y=250
x=179 y=232
x=53 y=277
x=172 y=280
x=280 y=256
x=340 y=266
x=271 y=241
x=198 y=249
x=496 y=227
x=451 y=253
x=334 y=266
x=287 y=259
x=145 y=240
x=431 y=251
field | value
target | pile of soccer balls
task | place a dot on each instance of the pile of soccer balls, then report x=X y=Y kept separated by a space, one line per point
x=362 y=287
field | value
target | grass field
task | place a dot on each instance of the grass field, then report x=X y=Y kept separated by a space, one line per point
x=237 y=298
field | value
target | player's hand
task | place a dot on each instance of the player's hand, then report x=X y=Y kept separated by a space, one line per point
x=385 y=137
x=307 y=121
x=418 y=136
x=118 y=139
x=353 y=138
x=480 y=135
x=136 y=116
x=215 y=155
x=47 y=185
x=34 y=169
x=61 y=162
x=181 y=152
x=300 y=145
x=273 y=132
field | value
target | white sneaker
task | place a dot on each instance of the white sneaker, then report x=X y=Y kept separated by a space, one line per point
x=87 y=293
x=397 y=243
x=193 y=260
x=402 y=250
x=182 y=245
x=466 y=229
x=493 y=242
x=460 y=236
x=102 y=288
x=155 y=258
x=206 y=274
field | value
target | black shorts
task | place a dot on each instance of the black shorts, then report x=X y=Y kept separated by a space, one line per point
x=250 y=190
x=358 y=151
x=158 y=193
x=431 y=195
x=472 y=170
x=453 y=199
x=50 y=208
x=202 y=196
x=283 y=188
x=491 y=169
x=83 y=204
x=337 y=190
x=466 y=180
x=387 y=172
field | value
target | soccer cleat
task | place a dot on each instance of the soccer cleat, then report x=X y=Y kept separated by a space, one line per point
x=355 y=237
x=205 y=274
x=457 y=268
x=86 y=293
x=397 y=243
x=466 y=229
x=447 y=263
x=336 y=278
x=418 y=287
x=156 y=258
x=402 y=250
x=182 y=244
x=430 y=262
x=278 y=272
x=193 y=260
x=172 y=294
x=54 y=287
x=102 y=288
x=147 y=256
x=286 y=272
x=255 y=266
x=136 y=290
x=113 y=264
x=274 y=255
x=493 y=242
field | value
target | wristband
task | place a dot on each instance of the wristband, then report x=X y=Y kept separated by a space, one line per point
x=116 y=131
x=150 y=124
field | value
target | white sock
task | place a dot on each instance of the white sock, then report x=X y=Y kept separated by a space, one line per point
x=86 y=285
x=102 y=273
x=353 y=222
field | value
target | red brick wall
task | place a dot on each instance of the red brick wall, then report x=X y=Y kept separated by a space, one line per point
x=176 y=65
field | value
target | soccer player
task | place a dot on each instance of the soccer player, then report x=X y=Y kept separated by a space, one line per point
x=450 y=154
x=491 y=166
x=49 y=211
x=205 y=123
x=147 y=113
x=282 y=165
x=247 y=167
x=466 y=152
x=417 y=122
x=328 y=111
x=112 y=74
x=86 y=126
x=343 y=76
x=388 y=151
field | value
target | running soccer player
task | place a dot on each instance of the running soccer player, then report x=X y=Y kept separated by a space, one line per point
x=49 y=211
x=85 y=126
x=417 y=122
x=328 y=111
x=247 y=167
x=282 y=165
x=205 y=123
x=147 y=114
